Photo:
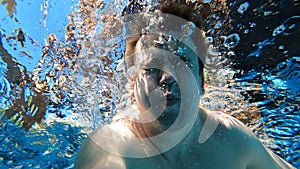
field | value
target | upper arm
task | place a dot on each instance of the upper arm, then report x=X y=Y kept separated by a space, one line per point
x=92 y=156
x=263 y=158
x=256 y=155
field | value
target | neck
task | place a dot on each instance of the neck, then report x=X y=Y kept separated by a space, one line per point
x=147 y=130
x=161 y=125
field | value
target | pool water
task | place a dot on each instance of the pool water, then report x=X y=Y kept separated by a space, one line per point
x=58 y=80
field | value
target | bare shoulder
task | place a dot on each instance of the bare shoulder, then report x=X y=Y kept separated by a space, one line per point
x=103 y=148
x=240 y=140
x=226 y=123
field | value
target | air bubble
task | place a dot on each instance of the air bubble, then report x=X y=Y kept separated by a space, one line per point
x=279 y=30
x=246 y=31
x=243 y=7
x=213 y=70
x=231 y=53
x=187 y=29
x=288 y=27
x=281 y=47
x=232 y=41
x=212 y=51
x=252 y=25
x=218 y=25
x=266 y=13
x=209 y=40
x=292 y=25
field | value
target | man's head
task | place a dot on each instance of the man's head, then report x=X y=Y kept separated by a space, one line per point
x=172 y=12
x=158 y=54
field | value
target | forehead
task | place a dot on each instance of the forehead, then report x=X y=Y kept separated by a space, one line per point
x=160 y=46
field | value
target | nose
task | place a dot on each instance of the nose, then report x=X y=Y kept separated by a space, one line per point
x=166 y=80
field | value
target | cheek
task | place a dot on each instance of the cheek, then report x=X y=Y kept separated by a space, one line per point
x=142 y=86
x=146 y=84
x=141 y=94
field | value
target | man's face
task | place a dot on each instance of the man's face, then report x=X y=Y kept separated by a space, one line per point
x=157 y=85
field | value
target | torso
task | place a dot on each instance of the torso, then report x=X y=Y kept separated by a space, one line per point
x=220 y=151
x=231 y=146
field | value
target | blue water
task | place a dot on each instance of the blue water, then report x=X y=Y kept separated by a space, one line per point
x=55 y=146
x=53 y=92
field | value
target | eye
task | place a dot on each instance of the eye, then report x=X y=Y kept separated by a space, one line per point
x=150 y=70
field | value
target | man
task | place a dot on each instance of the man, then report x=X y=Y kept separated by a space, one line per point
x=168 y=129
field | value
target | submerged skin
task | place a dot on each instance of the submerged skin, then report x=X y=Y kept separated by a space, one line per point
x=230 y=146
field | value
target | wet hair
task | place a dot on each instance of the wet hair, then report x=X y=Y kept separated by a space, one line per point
x=194 y=12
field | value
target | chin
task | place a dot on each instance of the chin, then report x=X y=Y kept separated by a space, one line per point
x=170 y=115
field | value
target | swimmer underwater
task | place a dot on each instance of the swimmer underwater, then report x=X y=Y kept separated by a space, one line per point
x=167 y=129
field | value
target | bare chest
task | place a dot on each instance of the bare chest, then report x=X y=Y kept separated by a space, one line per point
x=191 y=163
x=193 y=158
